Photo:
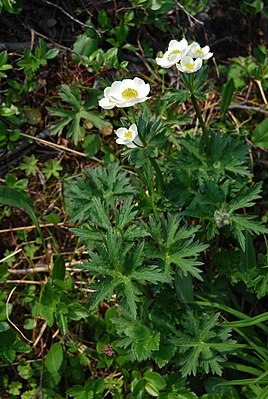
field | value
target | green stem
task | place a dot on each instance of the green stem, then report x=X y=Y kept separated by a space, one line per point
x=202 y=123
x=159 y=177
x=188 y=80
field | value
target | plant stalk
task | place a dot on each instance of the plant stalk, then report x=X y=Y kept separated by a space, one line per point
x=188 y=80
x=202 y=123
x=159 y=176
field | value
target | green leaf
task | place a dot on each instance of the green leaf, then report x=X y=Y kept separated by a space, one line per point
x=52 y=218
x=3 y=58
x=142 y=341
x=86 y=44
x=95 y=119
x=52 y=168
x=227 y=95
x=17 y=198
x=155 y=379
x=164 y=355
x=151 y=389
x=92 y=144
x=175 y=246
x=246 y=197
x=105 y=183
x=58 y=272
x=15 y=388
x=4 y=326
x=203 y=344
x=260 y=134
x=54 y=358
x=176 y=96
x=245 y=223
x=51 y=53
x=119 y=267
x=7 y=337
x=250 y=321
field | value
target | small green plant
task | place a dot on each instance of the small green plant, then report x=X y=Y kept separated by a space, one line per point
x=146 y=257
x=74 y=120
x=11 y=6
x=29 y=165
x=254 y=7
x=32 y=61
x=155 y=286
x=251 y=68
x=52 y=168
x=3 y=64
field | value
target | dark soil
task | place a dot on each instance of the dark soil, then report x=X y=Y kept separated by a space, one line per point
x=226 y=29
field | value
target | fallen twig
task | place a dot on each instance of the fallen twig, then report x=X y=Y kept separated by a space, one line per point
x=189 y=16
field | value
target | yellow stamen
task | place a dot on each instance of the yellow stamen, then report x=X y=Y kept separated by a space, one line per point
x=128 y=94
x=173 y=52
x=189 y=66
x=128 y=134
x=199 y=51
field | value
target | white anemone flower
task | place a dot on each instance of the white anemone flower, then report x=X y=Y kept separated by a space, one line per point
x=176 y=50
x=128 y=137
x=196 y=51
x=107 y=103
x=189 y=65
x=125 y=93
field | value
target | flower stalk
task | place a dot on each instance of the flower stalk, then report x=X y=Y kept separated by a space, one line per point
x=188 y=81
x=159 y=176
x=202 y=123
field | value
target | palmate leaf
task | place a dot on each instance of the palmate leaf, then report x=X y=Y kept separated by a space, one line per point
x=202 y=343
x=72 y=119
x=99 y=215
x=256 y=279
x=246 y=197
x=75 y=130
x=105 y=290
x=230 y=154
x=165 y=353
x=175 y=246
x=142 y=341
x=95 y=118
x=217 y=205
x=70 y=96
x=101 y=218
x=229 y=159
x=118 y=268
x=246 y=223
x=109 y=184
x=125 y=214
x=185 y=259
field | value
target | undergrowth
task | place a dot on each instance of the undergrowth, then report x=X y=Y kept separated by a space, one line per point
x=134 y=259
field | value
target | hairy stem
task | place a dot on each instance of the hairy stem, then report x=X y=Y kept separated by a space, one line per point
x=159 y=176
x=201 y=121
x=188 y=80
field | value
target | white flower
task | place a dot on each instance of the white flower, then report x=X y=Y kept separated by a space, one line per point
x=189 y=65
x=175 y=51
x=125 y=93
x=196 y=51
x=128 y=137
x=107 y=103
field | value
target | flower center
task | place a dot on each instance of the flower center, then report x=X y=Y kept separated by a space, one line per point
x=189 y=66
x=128 y=134
x=128 y=94
x=173 y=52
x=199 y=51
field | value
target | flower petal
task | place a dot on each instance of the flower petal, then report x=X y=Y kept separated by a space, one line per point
x=107 y=103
